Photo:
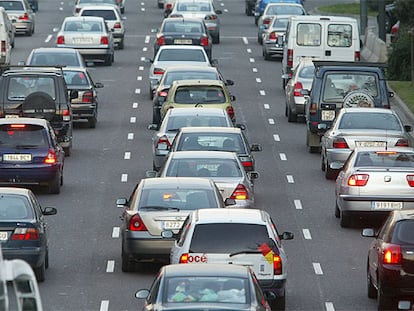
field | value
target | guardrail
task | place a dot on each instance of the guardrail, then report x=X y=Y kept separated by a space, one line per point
x=373 y=48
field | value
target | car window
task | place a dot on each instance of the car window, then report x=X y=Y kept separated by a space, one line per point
x=190 y=55
x=13 y=207
x=379 y=121
x=49 y=59
x=21 y=135
x=385 y=159
x=183 y=27
x=210 y=141
x=199 y=94
x=177 y=122
x=337 y=85
x=339 y=35
x=20 y=87
x=189 y=75
x=75 y=78
x=308 y=34
x=12 y=5
x=307 y=72
x=200 y=167
x=185 y=228
x=194 y=6
x=280 y=23
x=154 y=290
x=108 y=15
x=208 y=238
x=285 y=10
x=403 y=232
x=88 y=26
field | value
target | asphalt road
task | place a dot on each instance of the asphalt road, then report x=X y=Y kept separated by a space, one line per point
x=326 y=263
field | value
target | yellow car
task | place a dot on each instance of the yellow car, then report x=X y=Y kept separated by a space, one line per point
x=199 y=93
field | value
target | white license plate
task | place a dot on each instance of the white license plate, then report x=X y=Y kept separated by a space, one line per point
x=11 y=116
x=328 y=115
x=3 y=235
x=386 y=205
x=17 y=157
x=370 y=144
x=171 y=225
x=182 y=41
x=82 y=40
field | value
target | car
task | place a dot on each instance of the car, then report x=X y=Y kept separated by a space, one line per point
x=204 y=287
x=178 y=118
x=341 y=84
x=183 y=31
x=230 y=139
x=302 y=78
x=39 y=92
x=81 y=3
x=112 y=17
x=373 y=182
x=157 y=204
x=272 y=10
x=174 y=55
x=7 y=34
x=260 y=6
x=361 y=127
x=254 y=241
x=390 y=260
x=21 y=15
x=224 y=168
x=273 y=36
x=199 y=93
x=85 y=104
x=90 y=36
x=51 y=56
x=181 y=73
x=203 y=9
x=23 y=229
x=30 y=154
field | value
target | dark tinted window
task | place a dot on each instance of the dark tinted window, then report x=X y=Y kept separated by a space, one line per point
x=75 y=78
x=228 y=237
x=12 y=5
x=14 y=207
x=403 y=232
x=52 y=59
x=22 y=135
x=182 y=55
x=20 y=87
x=107 y=15
x=199 y=167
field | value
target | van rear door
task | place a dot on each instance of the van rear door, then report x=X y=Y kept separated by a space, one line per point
x=342 y=41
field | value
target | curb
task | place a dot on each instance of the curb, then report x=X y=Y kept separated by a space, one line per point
x=397 y=101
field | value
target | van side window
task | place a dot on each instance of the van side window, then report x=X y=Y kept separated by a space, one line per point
x=339 y=35
x=308 y=34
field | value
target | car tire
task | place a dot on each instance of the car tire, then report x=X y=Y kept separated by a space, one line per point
x=337 y=211
x=54 y=185
x=126 y=263
x=371 y=290
x=259 y=39
x=345 y=221
x=266 y=56
x=68 y=150
x=121 y=44
x=323 y=164
x=156 y=117
x=216 y=39
x=108 y=60
x=384 y=302
x=47 y=259
x=40 y=272
x=330 y=174
x=292 y=117
x=39 y=105
x=278 y=303
x=286 y=110
x=92 y=121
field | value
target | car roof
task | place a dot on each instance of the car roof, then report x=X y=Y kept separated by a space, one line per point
x=312 y=18
x=196 y=111
x=107 y=6
x=211 y=129
x=54 y=50
x=202 y=82
x=212 y=269
x=183 y=182
x=183 y=19
x=84 y=18
x=14 y=190
x=74 y=68
x=34 y=69
x=367 y=110
x=230 y=215
x=181 y=47
x=32 y=121
x=203 y=155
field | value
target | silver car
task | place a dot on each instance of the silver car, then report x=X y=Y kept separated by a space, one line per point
x=224 y=168
x=272 y=38
x=361 y=127
x=21 y=15
x=55 y=57
x=90 y=36
x=182 y=117
x=373 y=182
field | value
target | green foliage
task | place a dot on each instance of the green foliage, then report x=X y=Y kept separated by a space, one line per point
x=399 y=60
x=404 y=12
x=373 y=4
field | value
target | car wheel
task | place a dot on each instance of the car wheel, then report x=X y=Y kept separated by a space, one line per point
x=323 y=165
x=337 y=211
x=278 y=303
x=40 y=272
x=156 y=118
x=371 y=290
x=259 y=39
x=330 y=173
x=68 y=150
x=345 y=221
x=121 y=44
x=266 y=55
x=216 y=39
x=292 y=117
x=92 y=122
x=54 y=185
x=47 y=259
x=384 y=303
x=284 y=82
x=151 y=93
x=108 y=60
x=126 y=263
x=256 y=20
x=122 y=10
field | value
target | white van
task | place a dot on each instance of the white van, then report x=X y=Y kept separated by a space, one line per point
x=6 y=37
x=333 y=38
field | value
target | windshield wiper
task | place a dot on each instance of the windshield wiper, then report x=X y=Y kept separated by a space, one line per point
x=26 y=146
x=248 y=251
x=172 y=130
x=161 y=208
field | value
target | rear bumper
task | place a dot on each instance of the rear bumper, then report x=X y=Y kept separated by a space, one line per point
x=352 y=203
x=34 y=256
x=33 y=175
x=142 y=245
x=396 y=283
x=275 y=286
x=83 y=111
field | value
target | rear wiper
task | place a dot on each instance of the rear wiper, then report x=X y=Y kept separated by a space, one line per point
x=157 y=207
x=249 y=251
x=172 y=130
x=26 y=146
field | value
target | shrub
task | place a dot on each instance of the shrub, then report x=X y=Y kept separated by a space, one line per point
x=399 y=60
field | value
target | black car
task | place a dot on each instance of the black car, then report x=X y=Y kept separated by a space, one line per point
x=390 y=264
x=341 y=84
x=23 y=230
x=183 y=31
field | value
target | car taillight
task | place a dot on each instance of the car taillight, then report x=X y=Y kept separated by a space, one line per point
x=161 y=40
x=247 y=163
x=87 y=97
x=230 y=112
x=273 y=36
x=158 y=71
x=297 y=89
x=117 y=25
x=21 y=234
x=312 y=108
x=358 y=180
x=391 y=254
x=163 y=143
x=66 y=114
x=340 y=143
x=240 y=193
x=267 y=21
x=402 y=142
x=357 y=56
x=24 y=17
x=104 y=40
x=410 y=180
x=51 y=157
x=290 y=58
x=77 y=10
x=3 y=46
x=184 y=258
x=169 y=6
x=204 y=41
x=277 y=264
x=60 y=40
x=136 y=224
x=210 y=17
x=162 y=93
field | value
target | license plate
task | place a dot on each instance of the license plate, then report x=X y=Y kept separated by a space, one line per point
x=17 y=157
x=328 y=115
x=370 y=144
x=171 y=225
x=386 y=205
x=183 y=41
x=3 y=235
x=11 y=116
x=82 y=40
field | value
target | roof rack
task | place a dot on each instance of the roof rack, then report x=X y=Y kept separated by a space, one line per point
x=320 y=63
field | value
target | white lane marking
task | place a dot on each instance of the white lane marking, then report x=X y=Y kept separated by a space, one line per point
x=144 y=49
x=262 y=92
x=137 y=91
x=124 y=177
x=221 y=4
x=298 y=204
x=251 y=60
x=276 y=137
x=143 y=9
x=258 y=80
x=130 y=136
x=317 y=267
x=60 y=9
x=139 y=78
x=306 y=234
x=271 y=121
x=127 y=155
x=115 y=232
x=142 y=58
x=245 y=40
x=225 y=10
x=266 y=106
x=329 y=306
x=110 y=266
x=290 y=179
x=135 y=105
x=49 y=37
x=104 y=305
x=62 y=3
x=249 y=50
x=254 y=69
x=141 y=68
x=133 y=119
x=282 y=156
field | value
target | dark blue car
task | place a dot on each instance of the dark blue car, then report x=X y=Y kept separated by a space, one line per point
x=261 y=4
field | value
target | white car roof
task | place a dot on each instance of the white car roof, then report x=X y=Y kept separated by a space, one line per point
x=230 y=215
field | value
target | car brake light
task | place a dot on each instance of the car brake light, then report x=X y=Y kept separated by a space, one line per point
x=87 y=97
x=158 y=71
x=169 y=6
x=230 y=112
x=358 y=180
x=23 y=234
x=104 y=40
x=161 y=40
x=211 y=17
x=17 y=126
x=51 y=157
x=340 y=143
x=402 y=142
x=163 y=93
x=204 y=41
x=240 y=193
x=163 y=143
x=184 y=258
x=247 y=164
x=290 y=58
x=410 y=180
x=60 y=40
x=24 y=17
x=357 y=56
x=117 y=25
x=312 y=108
x=267 y=21
x=66 y=114
x=297 y=90
x=391 y=254
x=273 y=36
x=277 y=264
x=3 y=46
x=136 y=224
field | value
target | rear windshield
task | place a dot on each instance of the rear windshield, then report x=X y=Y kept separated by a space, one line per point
x=375 y=121
x=208 y=238
x=183 y=27
x=385 y=159
x=50 y=59
x=307 y=72
x=12 y=5
x=210 y=141
x=339 y=35
x=22 y=136
x=108 y=15
x=75 y=78
x=20 y=87
x=280 y=23
x=172 y=55
x=403 y=232
x=14 y=207
x=88 y=26
x=285 y=10
x=199 y=95
x=199 y=167
x=308 y=34
x=189 y=75
x=338 y=85
x=177 y=122
x=194 y=7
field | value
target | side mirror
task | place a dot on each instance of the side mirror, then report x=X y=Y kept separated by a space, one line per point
x=408 y=128
x=151 y=174
x=322 y=126
x=229 y=202
x=121 y=202
x=269 y=295
x=74 y=94
x=336 y=165
x=90 y=64
x=368 y=233
x=214 y=62
x=241 y=126
x=49 y=211
x=253 y=175
x=229 y=82
x=286 y=236
x=255 y=147
x=154 y=30
x=218 y=11
x=390 y=94
x=142 y=294
x=99 y=85
x=305 y=92
x=153 y=126
x=405 y=305
x=232 y=98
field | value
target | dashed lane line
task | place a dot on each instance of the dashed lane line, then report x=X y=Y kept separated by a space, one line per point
x=124 y=177
x=298 y=204
x=306 y=234
x=104 y=305
x=130 y=136
x=110 y=266
x=276 y=137
x=317 y=267
x=290 y=179
x=283 y=156
x=115 y=232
